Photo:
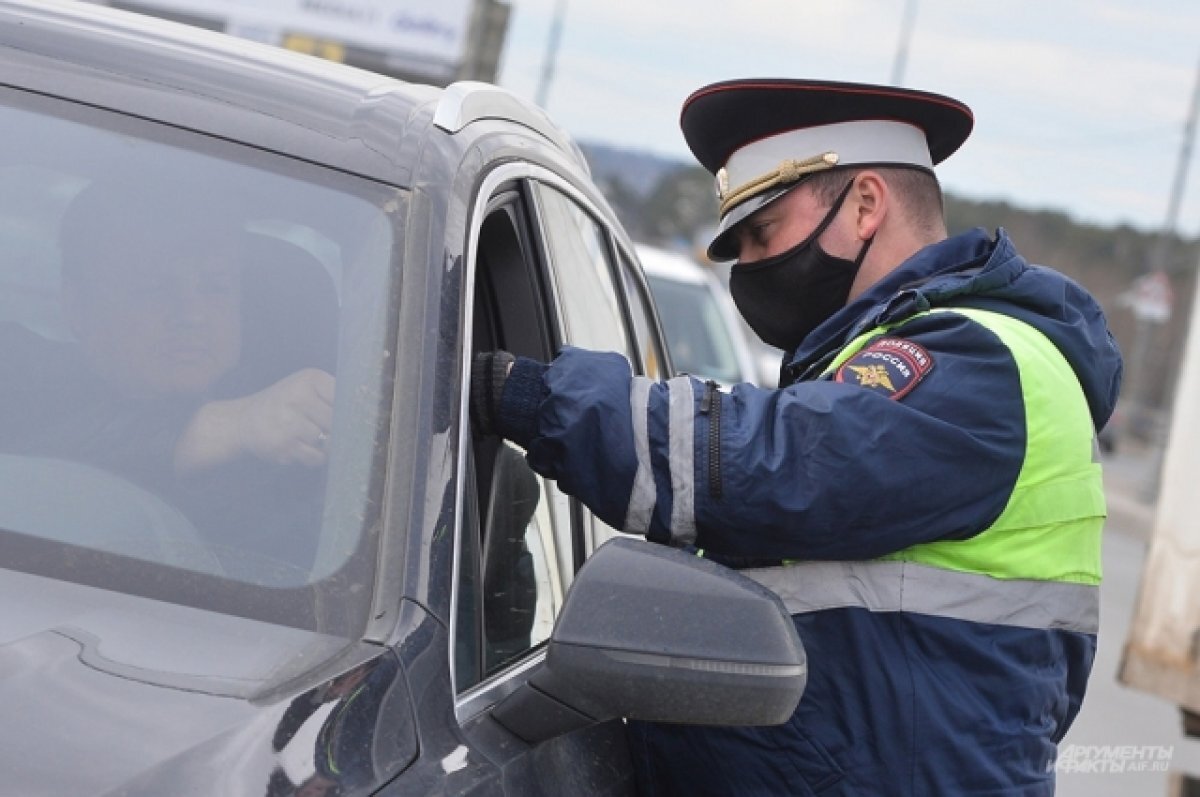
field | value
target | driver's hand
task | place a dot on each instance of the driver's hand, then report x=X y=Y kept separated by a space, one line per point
x=286 y=423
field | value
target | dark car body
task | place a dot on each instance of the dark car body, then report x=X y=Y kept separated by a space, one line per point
x=386 y=622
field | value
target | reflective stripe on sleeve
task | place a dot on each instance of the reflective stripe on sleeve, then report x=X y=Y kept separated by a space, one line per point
x=889 y=586
x=642 y=498
x=682 y=419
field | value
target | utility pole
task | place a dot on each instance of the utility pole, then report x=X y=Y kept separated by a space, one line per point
x=906 y=30
x=1165 y=238
x=548 y=63
x=486 y=33
x=1160 y=259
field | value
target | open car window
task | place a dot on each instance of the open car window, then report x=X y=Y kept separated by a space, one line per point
x=192 y=334
x=515 y=559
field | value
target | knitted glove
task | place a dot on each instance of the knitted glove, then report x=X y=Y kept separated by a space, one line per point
x=489 y=370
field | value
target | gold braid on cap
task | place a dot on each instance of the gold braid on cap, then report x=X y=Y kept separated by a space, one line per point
x=788 y=171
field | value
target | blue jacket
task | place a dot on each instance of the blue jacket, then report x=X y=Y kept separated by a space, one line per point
x=897 y=703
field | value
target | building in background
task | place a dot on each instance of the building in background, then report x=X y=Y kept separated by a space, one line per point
x=422 y=41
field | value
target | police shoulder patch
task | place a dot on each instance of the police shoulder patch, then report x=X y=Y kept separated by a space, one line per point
x=892 y=366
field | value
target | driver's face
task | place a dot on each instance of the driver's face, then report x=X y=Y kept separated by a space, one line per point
x=156 y=321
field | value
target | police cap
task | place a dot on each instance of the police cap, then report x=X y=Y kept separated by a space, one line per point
x=760 y=137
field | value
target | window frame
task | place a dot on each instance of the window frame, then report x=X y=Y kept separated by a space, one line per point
x=504 y=184
x=513 y=311
x=519 y=178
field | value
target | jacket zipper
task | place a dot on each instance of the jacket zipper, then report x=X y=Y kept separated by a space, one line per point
x=711 y=405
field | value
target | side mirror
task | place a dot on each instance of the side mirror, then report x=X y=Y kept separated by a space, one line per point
x=652 y=633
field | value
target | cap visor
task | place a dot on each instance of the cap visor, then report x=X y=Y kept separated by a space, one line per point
x=723 y=247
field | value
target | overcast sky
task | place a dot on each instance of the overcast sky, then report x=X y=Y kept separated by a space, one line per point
x=1079 y=104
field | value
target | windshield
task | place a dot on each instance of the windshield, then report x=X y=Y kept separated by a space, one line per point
x=697 y=336
x=192 y=336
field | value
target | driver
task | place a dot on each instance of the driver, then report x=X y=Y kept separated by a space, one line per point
x=152 y=296
x=156 y=310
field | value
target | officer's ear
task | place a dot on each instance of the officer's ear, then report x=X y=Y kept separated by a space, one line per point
x=870 y=198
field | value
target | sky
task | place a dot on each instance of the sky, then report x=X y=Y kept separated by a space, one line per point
x=1080 y=105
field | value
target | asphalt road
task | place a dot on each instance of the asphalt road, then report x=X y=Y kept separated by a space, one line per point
x=1124 y=742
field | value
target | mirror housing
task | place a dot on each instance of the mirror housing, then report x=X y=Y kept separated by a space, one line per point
x=653 y=633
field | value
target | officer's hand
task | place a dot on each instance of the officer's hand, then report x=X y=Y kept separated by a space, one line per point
x=489 y=369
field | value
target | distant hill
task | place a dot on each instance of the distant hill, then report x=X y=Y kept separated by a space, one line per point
x=639 y=171
x=670 y=202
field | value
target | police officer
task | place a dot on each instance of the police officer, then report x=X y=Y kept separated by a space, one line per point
x=922 y=490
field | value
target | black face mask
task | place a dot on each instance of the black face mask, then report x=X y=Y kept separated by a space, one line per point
x=787 y=296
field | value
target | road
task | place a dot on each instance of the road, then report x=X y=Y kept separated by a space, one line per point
x=1123 y=738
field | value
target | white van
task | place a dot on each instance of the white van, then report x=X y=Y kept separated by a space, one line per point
x=703 y=331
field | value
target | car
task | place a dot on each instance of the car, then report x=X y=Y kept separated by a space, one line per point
x=768 y=360
x=249 y=541
x=698 y=318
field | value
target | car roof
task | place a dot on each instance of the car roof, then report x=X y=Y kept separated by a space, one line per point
x=668 y=264
x=254 y=93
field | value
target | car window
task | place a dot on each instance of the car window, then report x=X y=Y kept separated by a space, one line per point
x=516 y=559
x=177 y=318
x=587 y=294
x=590 y=303
x=525 y=539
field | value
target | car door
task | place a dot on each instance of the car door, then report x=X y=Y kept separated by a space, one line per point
x=544 y=276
